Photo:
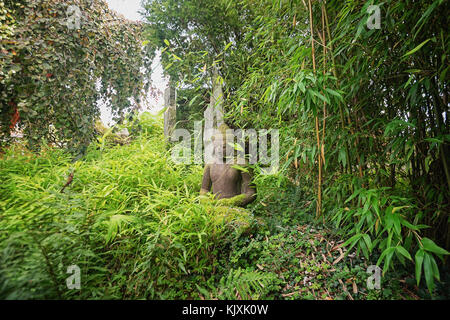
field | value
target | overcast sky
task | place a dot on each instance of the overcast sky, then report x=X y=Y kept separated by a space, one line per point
x=130 y=8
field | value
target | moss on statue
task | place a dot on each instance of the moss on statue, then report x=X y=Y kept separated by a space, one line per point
x=240 y=220
x=237 y=201
x=223 y=211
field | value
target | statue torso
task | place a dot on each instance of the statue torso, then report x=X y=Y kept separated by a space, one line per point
x=225 y=180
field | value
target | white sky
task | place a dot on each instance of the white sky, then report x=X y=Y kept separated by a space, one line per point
x=130 y=8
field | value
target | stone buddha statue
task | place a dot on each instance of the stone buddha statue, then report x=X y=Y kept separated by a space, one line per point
x=230 y=183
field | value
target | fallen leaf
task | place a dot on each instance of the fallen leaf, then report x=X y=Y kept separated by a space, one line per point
x=355 y=288
x=340 y=257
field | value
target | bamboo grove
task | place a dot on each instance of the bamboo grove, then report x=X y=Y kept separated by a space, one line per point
x=362 y=112
x=378 y=112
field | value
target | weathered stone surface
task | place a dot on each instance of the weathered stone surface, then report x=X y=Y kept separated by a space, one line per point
x=170 y=115
x=231 y=185
x=213 y=115
x=216 y=100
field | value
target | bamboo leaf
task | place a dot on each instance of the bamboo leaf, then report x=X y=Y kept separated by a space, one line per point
x=416 y=48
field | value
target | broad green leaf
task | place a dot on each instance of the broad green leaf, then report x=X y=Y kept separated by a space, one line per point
x=403 y=252
x=429 y=245
x=428 y=271
x=419 y=261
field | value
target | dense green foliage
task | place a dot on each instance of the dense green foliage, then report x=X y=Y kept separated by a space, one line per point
x=53 y=72
x=131 y=221
x=197 y=30
x=364 y=142
x=134 y=224
x=362 y=113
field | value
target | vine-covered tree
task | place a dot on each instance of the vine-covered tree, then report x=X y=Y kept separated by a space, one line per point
x=59 y=59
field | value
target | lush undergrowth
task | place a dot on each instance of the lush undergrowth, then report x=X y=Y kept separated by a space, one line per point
x=131 y=220
x=311 y=258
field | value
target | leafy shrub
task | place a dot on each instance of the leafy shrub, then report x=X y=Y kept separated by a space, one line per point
x=389 y=223
x=54 y=73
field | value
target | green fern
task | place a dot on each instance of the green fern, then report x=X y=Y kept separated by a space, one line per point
x=245 y=284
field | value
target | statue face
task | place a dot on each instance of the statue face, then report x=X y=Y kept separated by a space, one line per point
x=220 y=145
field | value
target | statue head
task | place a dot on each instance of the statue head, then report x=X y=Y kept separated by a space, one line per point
x=220 y=140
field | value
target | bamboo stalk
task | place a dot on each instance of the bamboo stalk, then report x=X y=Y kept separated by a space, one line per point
x=324 y=72
x=324 y=41
x=312 y=35
x=341 y=112
x=319 y=187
